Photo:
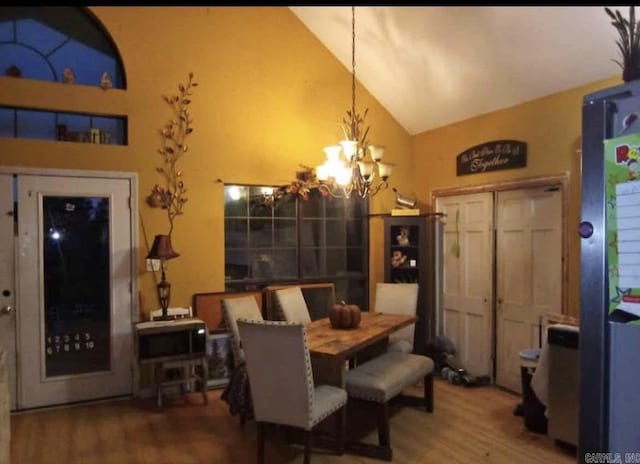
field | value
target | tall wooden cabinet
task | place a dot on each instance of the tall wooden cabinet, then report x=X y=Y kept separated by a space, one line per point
x=411 y=256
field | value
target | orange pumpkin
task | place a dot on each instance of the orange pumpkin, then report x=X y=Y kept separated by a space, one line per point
x=344 y=316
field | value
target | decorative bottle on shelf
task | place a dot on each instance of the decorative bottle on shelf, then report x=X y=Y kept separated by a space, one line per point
x=403 y=237
x=68 y=76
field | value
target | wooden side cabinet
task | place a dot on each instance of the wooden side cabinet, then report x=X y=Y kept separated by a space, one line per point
x=406 y=261
x=178 y=344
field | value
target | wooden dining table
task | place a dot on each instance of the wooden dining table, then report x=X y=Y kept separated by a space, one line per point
x=330 y=348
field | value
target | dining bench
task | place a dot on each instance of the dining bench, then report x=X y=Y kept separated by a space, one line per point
x=381 y=379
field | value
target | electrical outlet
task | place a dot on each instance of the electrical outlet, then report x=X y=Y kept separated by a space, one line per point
x=153 y=265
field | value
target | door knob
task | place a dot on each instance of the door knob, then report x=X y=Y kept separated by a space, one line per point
x=6 y=310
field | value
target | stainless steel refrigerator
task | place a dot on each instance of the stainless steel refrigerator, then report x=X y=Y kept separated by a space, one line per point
x=610 y=274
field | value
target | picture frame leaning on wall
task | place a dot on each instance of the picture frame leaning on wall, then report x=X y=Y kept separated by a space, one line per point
x=219 y=359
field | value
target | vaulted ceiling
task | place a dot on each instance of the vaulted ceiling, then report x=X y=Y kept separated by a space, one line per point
x=432 y=66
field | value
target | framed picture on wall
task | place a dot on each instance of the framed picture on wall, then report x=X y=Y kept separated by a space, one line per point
x=220 y=359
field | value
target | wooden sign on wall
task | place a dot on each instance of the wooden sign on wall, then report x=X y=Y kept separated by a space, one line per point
x=492 y=156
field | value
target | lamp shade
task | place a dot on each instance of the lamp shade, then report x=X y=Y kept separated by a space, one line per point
x=161 y=248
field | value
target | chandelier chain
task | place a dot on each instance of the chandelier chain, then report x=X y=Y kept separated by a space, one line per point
x=353 y=60
x=357 y=174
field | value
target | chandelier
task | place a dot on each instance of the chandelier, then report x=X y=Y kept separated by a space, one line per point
x=353 y=167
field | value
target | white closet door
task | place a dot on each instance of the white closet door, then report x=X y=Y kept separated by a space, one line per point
x=529 y=273
x=467 y=278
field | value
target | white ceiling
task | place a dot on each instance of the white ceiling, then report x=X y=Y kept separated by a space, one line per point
x=432 y=66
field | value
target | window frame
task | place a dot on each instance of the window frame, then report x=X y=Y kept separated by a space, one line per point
x=351 y=285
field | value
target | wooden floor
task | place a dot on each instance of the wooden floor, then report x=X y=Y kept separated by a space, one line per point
x=469 y=425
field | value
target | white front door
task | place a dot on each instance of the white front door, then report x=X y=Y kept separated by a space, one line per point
x=7 y=282
x=529 y=273
x=467 y=278
x=74 y=301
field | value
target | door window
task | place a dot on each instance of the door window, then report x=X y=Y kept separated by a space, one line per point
x=77 y=295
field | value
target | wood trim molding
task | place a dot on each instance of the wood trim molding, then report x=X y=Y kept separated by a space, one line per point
x=531 y=182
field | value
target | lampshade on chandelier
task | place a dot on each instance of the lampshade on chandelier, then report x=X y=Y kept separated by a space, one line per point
x=353 y=167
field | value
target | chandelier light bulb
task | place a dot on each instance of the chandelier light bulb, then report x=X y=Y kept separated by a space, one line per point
x=349 y=148
x=343 y=176
x=377 y=152
x=385 y=170
x=333 y=153
x=322 y=172
x=366 y=169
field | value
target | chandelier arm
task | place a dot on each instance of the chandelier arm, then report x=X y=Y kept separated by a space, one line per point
x=382 y=185
x=326 y=188
x=348 y=190
x=357 y=181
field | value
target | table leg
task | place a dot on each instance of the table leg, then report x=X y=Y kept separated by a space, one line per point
x=329 y=370
x=203 y=381
x=158 y=372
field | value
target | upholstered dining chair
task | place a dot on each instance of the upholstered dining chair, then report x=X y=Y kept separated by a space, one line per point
x=282 y=387
x=234 y=309
x=292 y=306
x=398 y=299
x=237 y=392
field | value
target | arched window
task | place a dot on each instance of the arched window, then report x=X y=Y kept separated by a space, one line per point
x=59 y=44
x=42 y=42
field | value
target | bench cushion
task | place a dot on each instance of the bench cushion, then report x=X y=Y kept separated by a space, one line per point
x=385 y=376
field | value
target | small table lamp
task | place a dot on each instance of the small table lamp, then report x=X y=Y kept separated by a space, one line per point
x=162 y=250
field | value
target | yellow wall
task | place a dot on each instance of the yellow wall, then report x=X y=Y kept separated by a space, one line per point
x=270 y=96
x=552 y=128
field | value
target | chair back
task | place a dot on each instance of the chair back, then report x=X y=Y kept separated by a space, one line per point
x=398 y=299
x=292 y=305
x=279 y=368
x=234 y=309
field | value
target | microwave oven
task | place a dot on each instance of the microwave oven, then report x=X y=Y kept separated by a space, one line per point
x=164 y=339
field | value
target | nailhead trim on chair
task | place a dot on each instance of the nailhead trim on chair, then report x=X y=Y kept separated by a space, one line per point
x=328 y=412
x=310 y=386
x=326 y=398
